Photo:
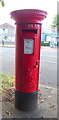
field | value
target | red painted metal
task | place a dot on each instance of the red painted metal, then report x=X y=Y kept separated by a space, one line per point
x=27 y=65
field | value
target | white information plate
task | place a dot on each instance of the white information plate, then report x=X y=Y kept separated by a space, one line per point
x=28 y=46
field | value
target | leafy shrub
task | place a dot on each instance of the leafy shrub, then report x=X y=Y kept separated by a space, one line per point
x=44 y=43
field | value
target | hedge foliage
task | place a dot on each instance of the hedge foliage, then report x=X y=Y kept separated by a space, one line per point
x=43 y=43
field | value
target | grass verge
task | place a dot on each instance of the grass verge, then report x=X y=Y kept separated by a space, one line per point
x=6 y=82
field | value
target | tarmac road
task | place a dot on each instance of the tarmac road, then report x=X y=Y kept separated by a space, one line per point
x=48 y=68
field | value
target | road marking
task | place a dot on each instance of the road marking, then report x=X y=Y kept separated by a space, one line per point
x=48 y=56
x=9 y=56
x=49 y=48
x=49 y=61
x=41 y=60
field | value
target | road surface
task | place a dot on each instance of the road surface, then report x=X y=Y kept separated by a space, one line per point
x=48 y=66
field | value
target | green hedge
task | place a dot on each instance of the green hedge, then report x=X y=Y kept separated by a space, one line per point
x=44 y=43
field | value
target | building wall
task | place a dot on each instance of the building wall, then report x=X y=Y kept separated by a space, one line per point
x=7 y=32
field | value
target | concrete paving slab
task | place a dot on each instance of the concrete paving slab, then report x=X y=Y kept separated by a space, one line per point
x=47 y=105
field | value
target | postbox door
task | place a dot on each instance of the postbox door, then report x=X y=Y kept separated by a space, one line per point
x=31 y=61
x=27 y=59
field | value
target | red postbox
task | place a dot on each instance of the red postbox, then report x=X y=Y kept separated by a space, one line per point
x=28 y=40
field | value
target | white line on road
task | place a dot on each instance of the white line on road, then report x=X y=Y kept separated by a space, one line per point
x=48 y=56
x=41 y=60
x=10 y=56
x=49 y=61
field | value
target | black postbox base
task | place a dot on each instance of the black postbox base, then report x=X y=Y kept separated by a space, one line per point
x=26 y=101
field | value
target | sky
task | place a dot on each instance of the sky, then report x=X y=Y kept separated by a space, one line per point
x=10 y=5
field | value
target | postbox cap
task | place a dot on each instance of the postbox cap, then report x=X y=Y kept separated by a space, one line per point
x=28 y=15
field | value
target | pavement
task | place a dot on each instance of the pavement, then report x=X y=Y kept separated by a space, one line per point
x=7 y=45
x=47 y=104
x=13 y=45
x=48 y=97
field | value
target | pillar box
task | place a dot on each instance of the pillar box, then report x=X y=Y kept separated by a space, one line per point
x=28 y=41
